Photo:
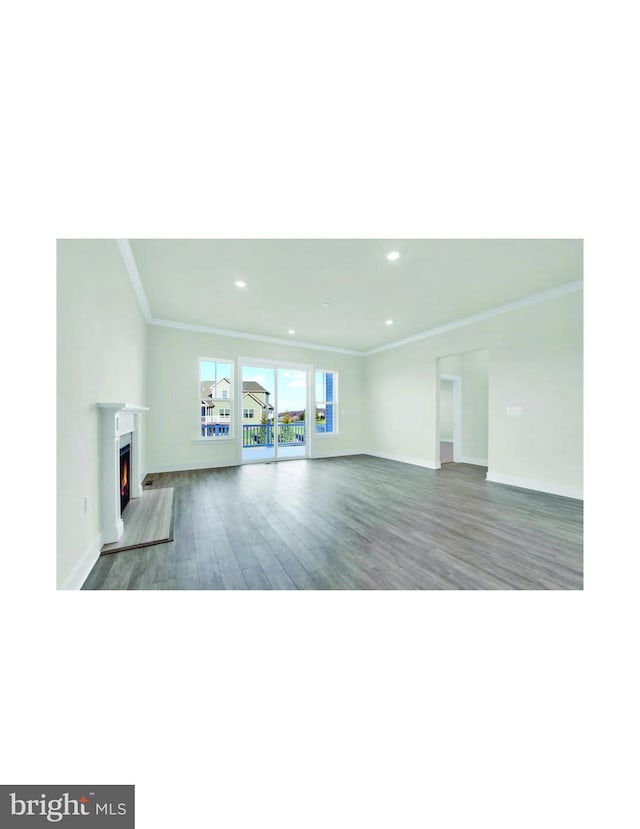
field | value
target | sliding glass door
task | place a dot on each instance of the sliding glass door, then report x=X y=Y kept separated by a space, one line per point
x=273 y=412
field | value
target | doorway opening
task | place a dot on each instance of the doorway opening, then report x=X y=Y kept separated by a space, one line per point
x=450 y=441
x=273 y=414
x=462 y=431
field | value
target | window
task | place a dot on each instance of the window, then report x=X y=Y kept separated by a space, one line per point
x=216 y=398
x=248 y=414
x=326 y=402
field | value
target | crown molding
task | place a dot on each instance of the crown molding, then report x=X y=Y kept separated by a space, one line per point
x=132 y=270
x=136 y=282
x=569 y=288
x=243 y=335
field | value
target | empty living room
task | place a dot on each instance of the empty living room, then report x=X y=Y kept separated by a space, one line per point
x=339 y=414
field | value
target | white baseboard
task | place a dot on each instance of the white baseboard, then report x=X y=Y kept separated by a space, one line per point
x=404 y=459
x=172 y=467
x=83 y=567
x=339 y=453
x=539 y=486
x=158 y=468
x=475 y=461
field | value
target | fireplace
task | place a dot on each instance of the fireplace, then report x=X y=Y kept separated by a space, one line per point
x=125 y=476
x=121 y=474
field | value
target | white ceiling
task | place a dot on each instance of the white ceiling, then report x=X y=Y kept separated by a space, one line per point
x=433 y=283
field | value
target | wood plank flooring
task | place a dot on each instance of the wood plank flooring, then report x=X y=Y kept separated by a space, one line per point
x=353 y=523
x=147 y=520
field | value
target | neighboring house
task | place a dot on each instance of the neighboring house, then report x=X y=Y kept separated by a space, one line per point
x=215 y=401
x=253 y=393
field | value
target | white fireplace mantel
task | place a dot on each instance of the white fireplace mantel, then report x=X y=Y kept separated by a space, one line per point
x=117 y=419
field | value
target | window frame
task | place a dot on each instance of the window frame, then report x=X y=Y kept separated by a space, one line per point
x=333 y=403
x=229 y=420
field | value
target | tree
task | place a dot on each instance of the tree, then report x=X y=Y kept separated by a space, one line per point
x=286 y=418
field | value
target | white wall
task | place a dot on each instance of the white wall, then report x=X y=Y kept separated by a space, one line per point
x=101 y=357
x=535 y=362
x=446 y=409
x=173 y=386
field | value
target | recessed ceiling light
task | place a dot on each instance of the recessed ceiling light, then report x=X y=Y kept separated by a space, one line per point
x=291 y=331
x=393 y=256
x=388 y=322
x=240 y=284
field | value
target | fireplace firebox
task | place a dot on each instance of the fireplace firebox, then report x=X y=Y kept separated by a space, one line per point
x=125 y=476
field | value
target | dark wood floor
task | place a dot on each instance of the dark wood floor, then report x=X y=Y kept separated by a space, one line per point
x=354 y=523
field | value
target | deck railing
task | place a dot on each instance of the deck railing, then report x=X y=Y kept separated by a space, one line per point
x=258 y=434
x=262 y=434
x=211 y=430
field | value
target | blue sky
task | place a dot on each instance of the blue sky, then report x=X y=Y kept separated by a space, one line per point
x=292 y=384
x=292 y=395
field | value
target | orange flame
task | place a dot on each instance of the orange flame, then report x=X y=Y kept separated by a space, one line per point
x=123 y=482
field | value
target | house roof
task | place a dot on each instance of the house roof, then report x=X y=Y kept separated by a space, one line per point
x=248 y=387
x=259 y=402
x=251 y=385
